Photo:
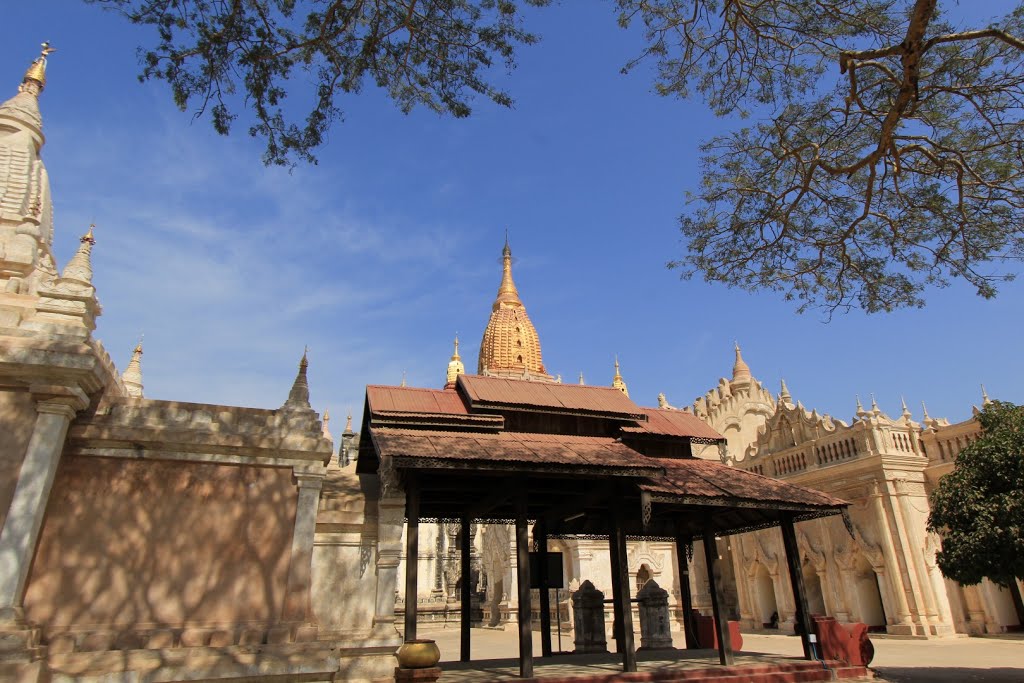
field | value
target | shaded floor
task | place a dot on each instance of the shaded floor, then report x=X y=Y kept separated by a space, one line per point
x=956 y=660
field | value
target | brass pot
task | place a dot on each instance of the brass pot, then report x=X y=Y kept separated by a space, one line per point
x=418 y=654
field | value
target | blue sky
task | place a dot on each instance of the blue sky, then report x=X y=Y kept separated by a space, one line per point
x=376 y=257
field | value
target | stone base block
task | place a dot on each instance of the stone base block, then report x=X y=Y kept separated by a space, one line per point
x=428 y=675
x=160 y=639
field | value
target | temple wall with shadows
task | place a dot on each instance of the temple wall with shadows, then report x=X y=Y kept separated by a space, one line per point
x=131 y=545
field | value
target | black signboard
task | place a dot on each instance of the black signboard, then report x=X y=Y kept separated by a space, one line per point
x=555 y=579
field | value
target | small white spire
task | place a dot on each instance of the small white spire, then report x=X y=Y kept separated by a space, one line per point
x=906 y=411
x=581 y=379
x=79 y=268
x=985 y=400
x=784 y=393
x=132 y=376
x=924 y=408
x=327 y=423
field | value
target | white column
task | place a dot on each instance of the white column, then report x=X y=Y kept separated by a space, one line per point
x=25 y=516
x=390 y=523
x=297 y=595
x=895 y=583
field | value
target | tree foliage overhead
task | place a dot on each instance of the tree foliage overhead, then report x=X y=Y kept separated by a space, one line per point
x=978 y=508
x=886 y=154
x=889 y=154
x=433 y=53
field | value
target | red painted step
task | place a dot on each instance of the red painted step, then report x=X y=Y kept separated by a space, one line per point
x=796 y=672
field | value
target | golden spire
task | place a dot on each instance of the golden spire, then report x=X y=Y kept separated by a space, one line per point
x=35 y=76
x=510 y=346
x=455 y=366
x=617 y=381
x=508 y=295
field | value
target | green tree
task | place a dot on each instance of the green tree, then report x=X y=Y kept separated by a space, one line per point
x=887 y=157
x=978 y=508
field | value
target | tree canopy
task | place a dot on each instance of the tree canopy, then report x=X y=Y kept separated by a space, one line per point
x=886 y=154
x=978 y=508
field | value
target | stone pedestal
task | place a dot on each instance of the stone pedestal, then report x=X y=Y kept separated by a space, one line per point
x=655 y=633
x=588 y=619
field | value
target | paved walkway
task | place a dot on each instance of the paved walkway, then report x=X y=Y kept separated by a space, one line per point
x=954 y=660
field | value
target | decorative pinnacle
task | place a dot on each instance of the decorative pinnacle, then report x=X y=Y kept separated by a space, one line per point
x=80 y=266
x=403 y=378
x=784 y=393
x=740 y=369
x=985 y=400
x=925 y=409
x=860 y=408
x=348 y=423
x=906 y=410
x=298 y=397
x=132 y=375
x=455 y=356
x=581 y=379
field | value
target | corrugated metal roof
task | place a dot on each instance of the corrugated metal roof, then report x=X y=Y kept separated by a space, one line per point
x=696 y=478
x=496 y=391
x=673 y=423
x=519 y=447
x=384 y=399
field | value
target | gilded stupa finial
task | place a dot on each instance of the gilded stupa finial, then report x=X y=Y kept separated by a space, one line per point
x=455 y=366
x=508 y=295
x=35 y=75
x=617 y=381
x=88 y=237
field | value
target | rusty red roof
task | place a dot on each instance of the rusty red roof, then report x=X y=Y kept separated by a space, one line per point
x=385 y=399
x=572 y=398
x=673 y=423
x=695 y=479
x=584 y=452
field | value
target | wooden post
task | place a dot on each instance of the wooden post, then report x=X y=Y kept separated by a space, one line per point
x=412 y=552
x=540 y=537
x=684 y=591
x=725 y=655
x=617 y=547
x=467 y=604
x=523 y=581
x=796 y=577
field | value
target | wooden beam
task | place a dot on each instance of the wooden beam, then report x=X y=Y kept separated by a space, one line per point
x=725 y=655
x=466 y=595
x=617 y=547
x=796 y=577
x=412 y=552
x=689 y=626
x=523 y=585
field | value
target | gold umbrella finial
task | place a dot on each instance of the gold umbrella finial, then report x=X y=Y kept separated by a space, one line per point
x=37 y=71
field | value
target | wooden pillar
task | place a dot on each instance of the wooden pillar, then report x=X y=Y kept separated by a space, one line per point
x=725 y=655
x=684 y=590
x=467 y=603
x=412 y=552
x=796 y=577
x=523 y=585
x=540 y=537
x=617 y=548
